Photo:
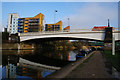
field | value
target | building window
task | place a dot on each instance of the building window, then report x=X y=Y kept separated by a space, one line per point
x=31 y=19
x=53 y=25
x=11 y=19
x=58 y=25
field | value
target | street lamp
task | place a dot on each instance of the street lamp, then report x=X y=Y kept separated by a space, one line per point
x=68 y=21
x=108 y=23
x=54 y=19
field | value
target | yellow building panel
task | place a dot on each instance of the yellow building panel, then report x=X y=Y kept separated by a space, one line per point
x=25 y=24
x=58 y=23
x=25 y=27
x=39 y=16
x=26 y=18
x=25 y=31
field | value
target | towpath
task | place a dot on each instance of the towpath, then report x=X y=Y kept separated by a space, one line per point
x=94 y=67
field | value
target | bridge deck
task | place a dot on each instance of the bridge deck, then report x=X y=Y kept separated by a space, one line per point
x=95 y=35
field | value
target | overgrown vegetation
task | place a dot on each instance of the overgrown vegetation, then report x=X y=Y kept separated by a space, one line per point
x=57 y=45
x=64 y=44
x=113 y=59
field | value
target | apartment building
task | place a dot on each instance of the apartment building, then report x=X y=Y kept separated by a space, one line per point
x=12 y=27
x=31 y=24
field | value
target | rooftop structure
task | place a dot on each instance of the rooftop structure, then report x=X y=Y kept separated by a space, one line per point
x=99 y=28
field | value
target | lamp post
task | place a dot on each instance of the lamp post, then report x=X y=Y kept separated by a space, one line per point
x=54 y=19
x=44 y=22
x=113 y=45
x=68 y=21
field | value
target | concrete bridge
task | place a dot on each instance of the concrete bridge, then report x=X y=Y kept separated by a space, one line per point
x=73 y=34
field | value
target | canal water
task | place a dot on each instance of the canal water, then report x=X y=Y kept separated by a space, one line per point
x=34 y=64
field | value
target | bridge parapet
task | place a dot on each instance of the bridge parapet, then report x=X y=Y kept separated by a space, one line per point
x=91 y=35
x=60 y=32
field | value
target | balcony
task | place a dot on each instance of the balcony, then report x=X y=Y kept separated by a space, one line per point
x=33 y=21
x=33 y=24
x=20 y=29
x=20 y=26
x=20 y=23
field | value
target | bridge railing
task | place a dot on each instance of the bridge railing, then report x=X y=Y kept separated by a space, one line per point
x=55 y=32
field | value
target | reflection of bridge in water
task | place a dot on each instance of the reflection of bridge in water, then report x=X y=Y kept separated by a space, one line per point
x=36 y=65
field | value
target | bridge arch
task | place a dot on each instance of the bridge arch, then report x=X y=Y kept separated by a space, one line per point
x=99 y=36
x=58 y=38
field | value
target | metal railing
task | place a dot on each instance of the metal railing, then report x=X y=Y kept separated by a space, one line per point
x=55 y=32
x=58 y=32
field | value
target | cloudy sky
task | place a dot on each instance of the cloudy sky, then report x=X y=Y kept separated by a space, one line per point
x=95 y=14
x=82 y=15
x=59 y=0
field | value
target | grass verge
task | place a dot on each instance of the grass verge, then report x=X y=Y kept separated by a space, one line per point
x=113 y=59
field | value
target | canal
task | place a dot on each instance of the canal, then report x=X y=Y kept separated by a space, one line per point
x=34 y=64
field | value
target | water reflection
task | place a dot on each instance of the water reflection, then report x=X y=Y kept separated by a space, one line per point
x=16 y=70
x=26 y=70
x=13 y=67
x=61 y=55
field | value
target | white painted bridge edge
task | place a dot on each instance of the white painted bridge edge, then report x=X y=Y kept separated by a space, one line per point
x=95 y=35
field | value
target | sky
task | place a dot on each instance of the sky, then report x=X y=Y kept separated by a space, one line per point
x=59 y=0
x=82 y=15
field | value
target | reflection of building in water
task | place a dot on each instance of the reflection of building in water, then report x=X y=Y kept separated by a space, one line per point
x=23 y=70
x=35 y=73
x=9 y=67
x=46 y=72
x=11 y=71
